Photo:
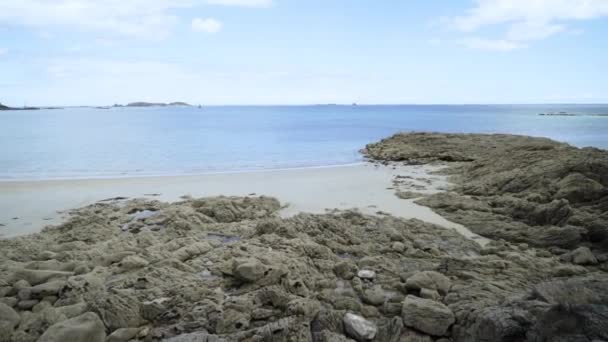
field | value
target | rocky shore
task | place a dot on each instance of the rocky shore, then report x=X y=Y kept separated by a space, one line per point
x=230 y=269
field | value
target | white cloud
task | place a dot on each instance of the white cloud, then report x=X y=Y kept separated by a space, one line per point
x=491 y=44
x=526 y=20
x=207 y=25
x=153 y=19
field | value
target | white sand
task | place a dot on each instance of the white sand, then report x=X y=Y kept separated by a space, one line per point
x=26 y=207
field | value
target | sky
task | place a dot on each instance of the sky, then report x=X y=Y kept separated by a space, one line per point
x=239 y=52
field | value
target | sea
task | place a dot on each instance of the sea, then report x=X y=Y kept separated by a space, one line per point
x=85 y=142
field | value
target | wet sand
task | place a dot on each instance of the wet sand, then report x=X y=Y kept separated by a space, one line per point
x=28 y=206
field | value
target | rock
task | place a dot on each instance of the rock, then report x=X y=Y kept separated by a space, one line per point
x=430 y=294
x=583 y=256
x=119 y=310
x=8 y=315
x=84 y=328
x=249 y=270
x=152 y=309
x=366 y=274
x=52 y=288
x=345 y=270
x=374 y=296
x=35 y=277
x=427 y=315
x=47 y=255
x=10 y=301
x=359 y=328
x=429 y=280
x=132 y=262
x=27 y=304
x=122 y=335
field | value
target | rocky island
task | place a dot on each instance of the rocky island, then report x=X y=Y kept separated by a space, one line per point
x=232 y=269
x=155 y=104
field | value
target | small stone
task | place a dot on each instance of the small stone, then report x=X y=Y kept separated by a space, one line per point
x=359 y=328
x=583 y=256
x=81 y=269
x=132 y=262
x=366 y=274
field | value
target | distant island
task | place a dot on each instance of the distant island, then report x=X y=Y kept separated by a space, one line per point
x=3 y=107
x=154 y=104
x=569 y=114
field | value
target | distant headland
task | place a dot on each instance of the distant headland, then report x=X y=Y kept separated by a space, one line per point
x=3 y=107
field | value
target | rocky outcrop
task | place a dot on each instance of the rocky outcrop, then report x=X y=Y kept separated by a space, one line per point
x=521 y=189
x=230 y=269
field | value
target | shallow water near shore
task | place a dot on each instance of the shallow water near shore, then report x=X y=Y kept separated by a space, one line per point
x=119 y=142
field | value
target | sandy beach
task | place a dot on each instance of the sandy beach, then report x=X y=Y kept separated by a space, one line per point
x=28 y=206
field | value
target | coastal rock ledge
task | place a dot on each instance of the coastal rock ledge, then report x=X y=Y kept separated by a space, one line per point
x=231 y=269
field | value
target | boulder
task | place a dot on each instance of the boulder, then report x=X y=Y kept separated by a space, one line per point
x=583 y=256
x=84 y=328
x=8 y=315
x=249 y=270
x=427 y=315
x=359 y=328
x=429 y=280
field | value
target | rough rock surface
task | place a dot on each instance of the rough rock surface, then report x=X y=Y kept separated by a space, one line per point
x=427 y=315
x=85 y=328
x=516 y=188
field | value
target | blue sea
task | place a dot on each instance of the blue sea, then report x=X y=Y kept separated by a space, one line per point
x=117 y=142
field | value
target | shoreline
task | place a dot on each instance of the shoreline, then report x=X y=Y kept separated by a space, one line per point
x=176 y=174
x=365 y=186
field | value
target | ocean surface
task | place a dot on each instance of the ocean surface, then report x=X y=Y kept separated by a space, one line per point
x=117 y=142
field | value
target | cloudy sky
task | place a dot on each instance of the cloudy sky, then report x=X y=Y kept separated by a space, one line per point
x=76 y=52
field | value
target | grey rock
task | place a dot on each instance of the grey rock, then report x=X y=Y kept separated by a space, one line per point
x=8 y=315
x=122 y=335
x=429 y=280
x=84 y=328
x=583 y=256
x=366 y=274
x=427 y=315
x=249 y=270
x=359 y=328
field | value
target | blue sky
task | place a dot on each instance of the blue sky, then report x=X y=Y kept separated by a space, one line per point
x=97 y=52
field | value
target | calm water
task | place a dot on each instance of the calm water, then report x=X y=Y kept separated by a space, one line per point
x=88 y=142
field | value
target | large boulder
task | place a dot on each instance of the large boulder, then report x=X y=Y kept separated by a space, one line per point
x=426 y=315
x=84 y=328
